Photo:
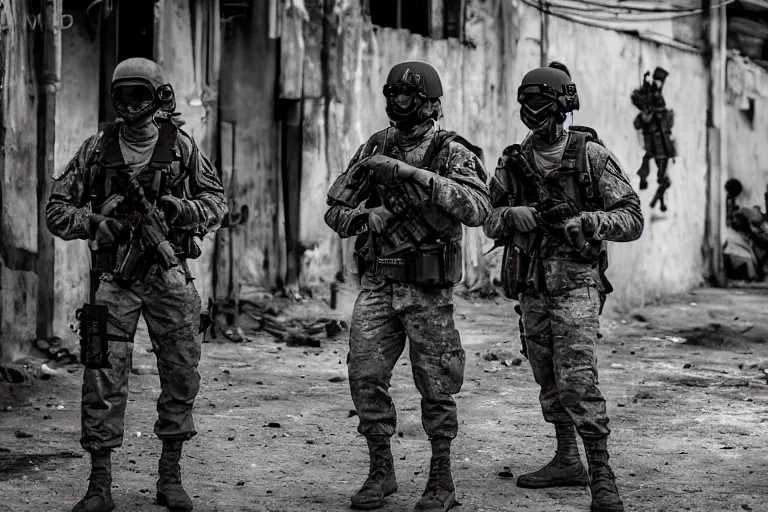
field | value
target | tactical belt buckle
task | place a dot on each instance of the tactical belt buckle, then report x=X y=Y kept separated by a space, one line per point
x=391 y=261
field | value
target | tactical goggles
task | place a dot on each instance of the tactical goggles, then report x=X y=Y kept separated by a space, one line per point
x=128 y=93
x=395 y=90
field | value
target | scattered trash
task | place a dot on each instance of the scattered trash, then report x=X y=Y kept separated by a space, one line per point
x=675 y=339
x=512 y=362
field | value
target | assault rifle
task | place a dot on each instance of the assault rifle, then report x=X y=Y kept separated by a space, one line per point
x=142 y=225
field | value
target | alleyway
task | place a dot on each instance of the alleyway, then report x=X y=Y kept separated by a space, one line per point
x=685 y=383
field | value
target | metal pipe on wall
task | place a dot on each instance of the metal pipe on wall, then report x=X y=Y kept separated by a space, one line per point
x=51 y=74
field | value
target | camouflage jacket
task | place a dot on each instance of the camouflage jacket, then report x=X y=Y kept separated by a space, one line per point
x=620 y=219
x=75 y=190
x=458 y=188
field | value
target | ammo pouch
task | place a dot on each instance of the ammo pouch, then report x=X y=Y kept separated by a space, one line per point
x=439 y=268
x=514 y=271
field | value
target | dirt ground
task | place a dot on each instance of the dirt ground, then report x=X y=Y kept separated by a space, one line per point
x=685 y=385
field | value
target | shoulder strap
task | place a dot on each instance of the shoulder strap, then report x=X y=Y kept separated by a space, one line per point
x=165 y=147
x=576 y=152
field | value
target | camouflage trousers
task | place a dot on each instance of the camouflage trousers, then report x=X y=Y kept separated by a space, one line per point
x=561 y=336
x=171 y=308
x=383 y=316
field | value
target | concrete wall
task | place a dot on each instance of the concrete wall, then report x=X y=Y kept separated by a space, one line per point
x=18 y=179
x=606 y=67
x=77 y=118
x=480 y=82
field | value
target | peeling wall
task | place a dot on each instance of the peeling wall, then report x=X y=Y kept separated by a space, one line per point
x=247 y=84
x=77 y=118
x=18 y=188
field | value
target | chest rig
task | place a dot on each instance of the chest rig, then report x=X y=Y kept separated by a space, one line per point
x=423 y=243
x=575 y=179
x=160 y=176
x=573 y=174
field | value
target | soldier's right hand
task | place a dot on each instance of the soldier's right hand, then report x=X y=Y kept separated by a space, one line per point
x=378 y=218
x=521 y=218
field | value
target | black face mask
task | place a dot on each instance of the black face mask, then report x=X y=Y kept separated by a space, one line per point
x=404 y=104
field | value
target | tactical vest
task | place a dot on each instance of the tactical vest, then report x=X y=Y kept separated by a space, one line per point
x=577 y=180
x=423 y=243
x=162 y=176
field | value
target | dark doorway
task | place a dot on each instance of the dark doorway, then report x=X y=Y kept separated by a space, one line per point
x=128 y=31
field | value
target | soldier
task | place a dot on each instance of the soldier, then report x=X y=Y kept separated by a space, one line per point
x=406 y=193
x=557 y=199
x=140 y=190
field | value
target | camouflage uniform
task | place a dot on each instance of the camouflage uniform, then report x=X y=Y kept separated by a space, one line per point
x=167 y=298
x=561 y=318
x=389 y=310
x=142 y=167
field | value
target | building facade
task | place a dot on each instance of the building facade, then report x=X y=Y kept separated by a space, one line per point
x=281 y=93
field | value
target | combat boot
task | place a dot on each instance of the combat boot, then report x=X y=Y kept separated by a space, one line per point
x=605 y=495
x=170 y=493
x=440 y=492
x=98 y=498
x=565 y=469
x=381 y=481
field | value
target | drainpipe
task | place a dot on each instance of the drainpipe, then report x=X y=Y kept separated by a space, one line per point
x=51 y=75
x=715 y=60
x=544 y=33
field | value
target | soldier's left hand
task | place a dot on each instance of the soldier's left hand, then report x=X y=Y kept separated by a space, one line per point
x=378 y=218
x=574 y=233
x=171 y=206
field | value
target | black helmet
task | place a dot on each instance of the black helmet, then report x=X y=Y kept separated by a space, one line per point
x=420 y=75
x=140 y=82
x=421 y=82
x=544 y=93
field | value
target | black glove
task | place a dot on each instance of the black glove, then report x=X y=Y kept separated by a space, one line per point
x=105 y=230
x=521 y=218
x=172 y=207
x=378 y=218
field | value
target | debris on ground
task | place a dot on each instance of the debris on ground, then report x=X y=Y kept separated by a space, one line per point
x=232 y=319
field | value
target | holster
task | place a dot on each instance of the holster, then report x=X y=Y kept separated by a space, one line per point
x=94 y=345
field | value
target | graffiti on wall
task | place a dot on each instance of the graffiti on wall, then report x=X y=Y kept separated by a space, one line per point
x=654 y=123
